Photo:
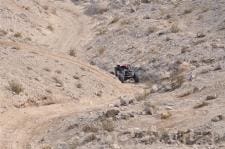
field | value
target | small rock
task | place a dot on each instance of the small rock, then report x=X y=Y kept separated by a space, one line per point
x=58 y=85
x=217 y=118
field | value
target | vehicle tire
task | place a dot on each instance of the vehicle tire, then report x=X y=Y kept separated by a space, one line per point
x=136 y=78
x=121 y=77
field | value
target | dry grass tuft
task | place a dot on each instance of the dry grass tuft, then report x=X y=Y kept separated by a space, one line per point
x=15 y=87
x=175 y=28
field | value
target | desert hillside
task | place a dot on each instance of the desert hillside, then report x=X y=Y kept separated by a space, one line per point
x=57 y=85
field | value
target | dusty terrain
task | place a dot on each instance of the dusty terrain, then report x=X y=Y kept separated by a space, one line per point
x=57 y=90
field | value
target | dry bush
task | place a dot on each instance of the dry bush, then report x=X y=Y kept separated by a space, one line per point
x=165 y=115
x=99 y=94
x=175 y=28
x=177 y=80
x=18 y=35
x=108 y=125
x=47 y=69
x=143 y=96
x=58 y=71
x=150 y=30
x=76 y=77
x=89 y=138
x=72 y=52
x=79 y=85
x=200 y=105
x=45 y=7
x=28 y=39
x=95 y=9
x=125 y=22
x=101 y=31
x=114 y=20
x=101 y=51
x=15 y=87
x=17 y=47
x=46 y=147
x=3 y=32
x=89 y=128
x=187 y=11
x=58 y=82
x=50 y=27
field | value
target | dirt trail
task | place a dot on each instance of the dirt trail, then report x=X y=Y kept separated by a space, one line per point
x=17 y=126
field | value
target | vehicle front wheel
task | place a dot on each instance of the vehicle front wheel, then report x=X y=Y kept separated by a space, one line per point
x=136 y=78
x=121 y=77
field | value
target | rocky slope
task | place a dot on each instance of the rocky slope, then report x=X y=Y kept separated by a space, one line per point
x=63 y=102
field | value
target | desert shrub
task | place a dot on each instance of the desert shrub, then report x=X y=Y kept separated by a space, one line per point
x=72 y=52
x=165 y=115
x=76 y=77
x=46 y=69
x=89 y=138
x=18 y=35
x=108 y=125
x=79 y=85
x=125 y=22
x=50 y=27
x=3 y=32
x=96 y=8
x=187 y=11
x=174 y=28
x=58 y=82
x=46 y=147
x=15 y=87
x=150 y=30
x=101 y=31
x=176 y=81
x=89 y=128
x=45 y=7
x=143 y=96
x=200 y=105
x=114 y=20
x=101 y=51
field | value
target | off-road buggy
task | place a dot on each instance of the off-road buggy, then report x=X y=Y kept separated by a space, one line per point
x=126 y=72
